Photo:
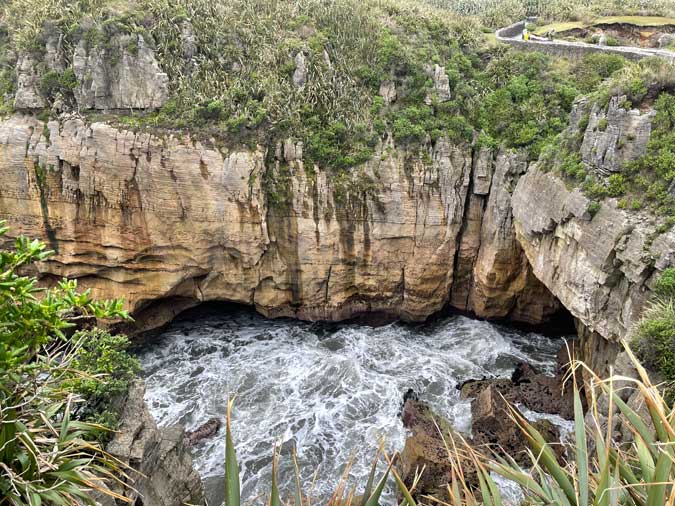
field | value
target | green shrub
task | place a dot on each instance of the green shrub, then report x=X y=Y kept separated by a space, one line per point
x=616 y=185
x=665 y=286
x=53 y=83
x=48 y=451
x=593 y=208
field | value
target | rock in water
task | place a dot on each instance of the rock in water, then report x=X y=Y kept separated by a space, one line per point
x=493 y=427
x=426 y=448
x=204 y=431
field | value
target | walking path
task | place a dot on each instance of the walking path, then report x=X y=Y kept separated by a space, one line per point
x=513 y=35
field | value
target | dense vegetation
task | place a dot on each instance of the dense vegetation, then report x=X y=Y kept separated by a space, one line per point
x=647 y=182
x=58 y=378
x=655 y=339
x=497 y=13
x=234 y=81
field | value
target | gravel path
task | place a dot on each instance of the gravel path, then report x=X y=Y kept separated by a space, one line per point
x=513 y=35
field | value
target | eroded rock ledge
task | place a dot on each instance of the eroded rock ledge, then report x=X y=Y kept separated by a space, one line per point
x=601 y=268
x=169 y=222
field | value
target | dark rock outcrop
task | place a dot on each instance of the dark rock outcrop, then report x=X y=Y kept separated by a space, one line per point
x=493 y=427
x=534 y=390
x=205 y=431
x=427 y=447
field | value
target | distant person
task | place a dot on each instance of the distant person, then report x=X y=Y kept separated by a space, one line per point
x=526 y=34
x=602 y=40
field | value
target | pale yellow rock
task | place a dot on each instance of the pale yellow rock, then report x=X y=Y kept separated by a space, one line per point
x=169 y=222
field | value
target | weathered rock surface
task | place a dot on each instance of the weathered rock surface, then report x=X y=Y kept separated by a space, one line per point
x=27 y=84
x=527 y=386
x=426 y=448
x=161 y=471
x=441 y=91
x=491 y=268
x=614 y=136
x=122 y=74
x=430 y=437
x=601 y=268
x=300 y=72
x=492 y=426
x=167 y=223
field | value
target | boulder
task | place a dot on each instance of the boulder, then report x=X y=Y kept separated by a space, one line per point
x=495 y=430
x=426 y=448
x=205 y=431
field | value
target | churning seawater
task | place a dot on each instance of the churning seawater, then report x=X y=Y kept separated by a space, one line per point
x=329 y=391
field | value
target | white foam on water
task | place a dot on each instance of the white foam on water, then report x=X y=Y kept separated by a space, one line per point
x=328 y=391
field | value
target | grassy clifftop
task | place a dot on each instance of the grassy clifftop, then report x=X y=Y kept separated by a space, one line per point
x=338 y=75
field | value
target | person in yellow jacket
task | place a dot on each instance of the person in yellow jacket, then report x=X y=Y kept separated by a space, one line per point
x=526 y=34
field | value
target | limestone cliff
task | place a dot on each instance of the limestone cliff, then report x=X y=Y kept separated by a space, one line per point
x=601 y=266
x=169 y=222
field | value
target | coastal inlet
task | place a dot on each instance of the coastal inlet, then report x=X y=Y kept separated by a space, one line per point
x=327 y=391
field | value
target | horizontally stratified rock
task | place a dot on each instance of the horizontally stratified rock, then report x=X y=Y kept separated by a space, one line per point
x=601 y=268
x=27 y=94
x=492 y=271
x=122 y=74
x=161 y=472
x=167 y=223
x=614 y=136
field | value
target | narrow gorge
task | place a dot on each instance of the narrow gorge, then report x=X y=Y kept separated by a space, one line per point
x=326 y=206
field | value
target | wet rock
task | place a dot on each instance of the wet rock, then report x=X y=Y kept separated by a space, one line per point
x=523 y=373
x=494 y=429
x=426 y=448
x=545 y=394
x=527 y=386
x=472 y=388
x=161 y=466
x=205 y=431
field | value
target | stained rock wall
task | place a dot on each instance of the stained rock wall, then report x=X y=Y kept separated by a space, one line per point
x=169 y=222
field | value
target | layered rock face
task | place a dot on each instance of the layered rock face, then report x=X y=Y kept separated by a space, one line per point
x=168 y=222
x=602 y=267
